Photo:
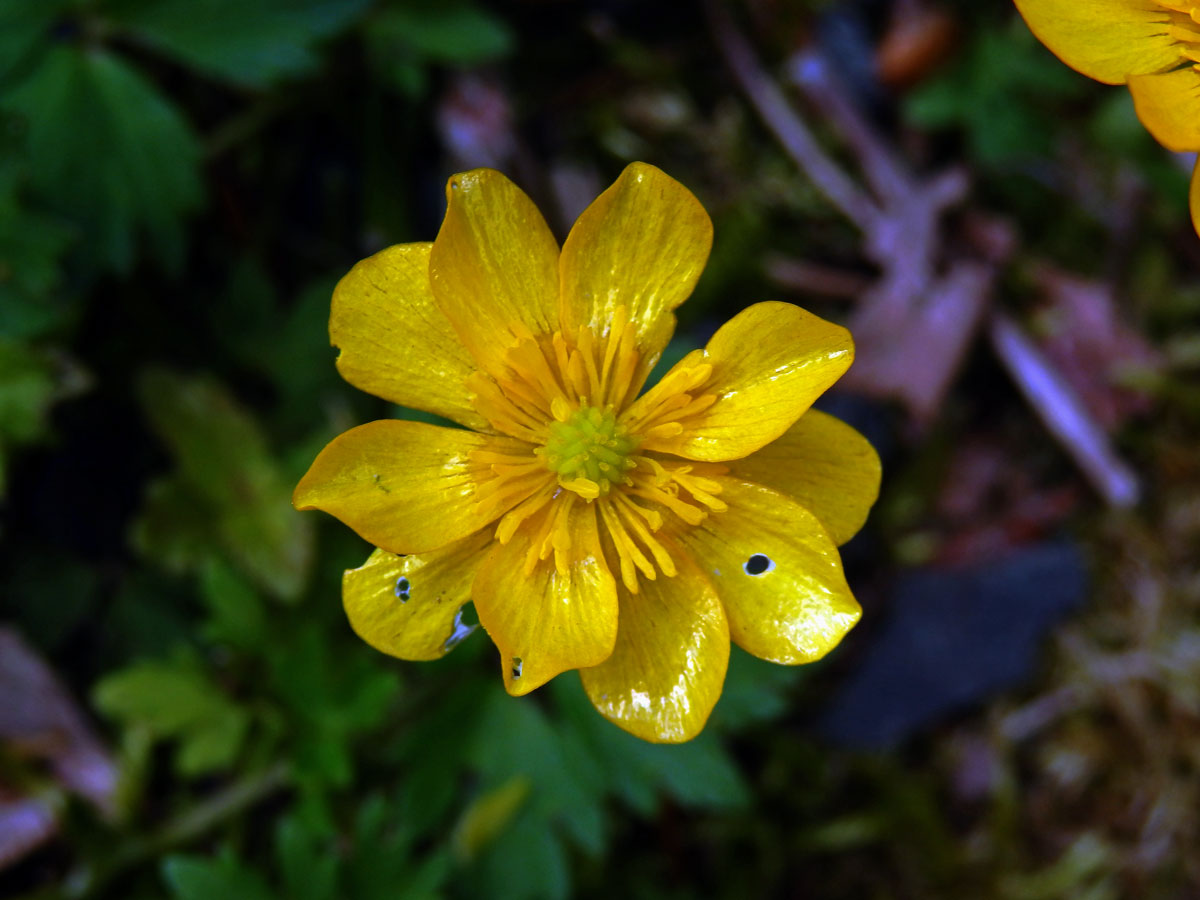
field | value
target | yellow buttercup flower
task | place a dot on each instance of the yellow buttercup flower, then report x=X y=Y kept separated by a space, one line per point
x=628 y=535
x=1153 y=46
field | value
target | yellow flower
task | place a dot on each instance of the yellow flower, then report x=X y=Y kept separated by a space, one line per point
x=1153 y=46
x=629 y=535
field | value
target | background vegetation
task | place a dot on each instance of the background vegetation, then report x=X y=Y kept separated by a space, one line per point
x=184 y=712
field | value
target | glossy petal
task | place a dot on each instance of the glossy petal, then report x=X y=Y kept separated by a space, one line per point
x=769 y=363
x=668 y=667
x=1104 y=39
x=642 y=244
x=824 y=465
x=410 y=606
x=407 y=487
x=494 y=266
x=395 y=343
x=1169 y=107
x=547 y=621
x=777 y=573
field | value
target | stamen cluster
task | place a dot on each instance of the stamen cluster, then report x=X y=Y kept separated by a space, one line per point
x=588 y=450
x=571 y=400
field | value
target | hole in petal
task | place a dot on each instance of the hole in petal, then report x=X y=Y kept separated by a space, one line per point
x=517 y=665
x=458 y=633
x=758 y=564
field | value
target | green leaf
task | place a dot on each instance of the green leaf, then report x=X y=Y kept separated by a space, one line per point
x=175 y=701
x=236 y=614
x=1000 y=92
x=698 y=774
x=383 y=865
x=488 y=815
x=137 y=170
x=755 y=691
x=516 y=738
x=252 y=44
x=31 y=248
x=24 y=24
x=31 y=382
x=198 y=878
x=445 y=31
x=308 y=864
x=330 y=702
x=235 y=492
x=403 y=39
x=526 y=862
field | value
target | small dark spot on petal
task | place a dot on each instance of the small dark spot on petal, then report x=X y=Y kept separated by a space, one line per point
x=402 y=589
x=517 y=665
x=758 y=564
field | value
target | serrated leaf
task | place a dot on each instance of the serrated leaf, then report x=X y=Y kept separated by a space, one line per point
x=252 y=44
x=223 y=464
x=330 y=703
x=198 y=878
x=175 y=701
x=138 y=169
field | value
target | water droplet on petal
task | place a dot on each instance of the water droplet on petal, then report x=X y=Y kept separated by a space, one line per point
x=517 y=665
x=758 y=564
x=402 y=589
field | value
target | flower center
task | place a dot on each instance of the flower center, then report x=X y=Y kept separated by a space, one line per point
x=589 y=451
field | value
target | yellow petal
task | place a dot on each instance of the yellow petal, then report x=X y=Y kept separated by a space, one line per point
x=549 y=620
x=668 y=667
x=407 y=487
x=395 y=343
x=411 y=606
x=494 y=266
x=777 y=573
x=642 y=244
x=1194 y=197
x=824 y=465
x=1169 y=107
x=768 y=364
x=1104 y=39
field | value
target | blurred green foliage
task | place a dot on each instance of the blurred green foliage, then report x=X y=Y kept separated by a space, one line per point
x=181 y=184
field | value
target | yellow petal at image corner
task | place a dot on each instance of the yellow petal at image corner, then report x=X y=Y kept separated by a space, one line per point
x=642 y=244
x=547 y=622
x=409 y=606
x=1169 y=106
x=667 y=670
x=769 y=363
x=1194 y=197
x=777 y=573
x=395 y=343
x=494 y=265
x=825 y=466
x=1108 y=40
x=404 y=486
